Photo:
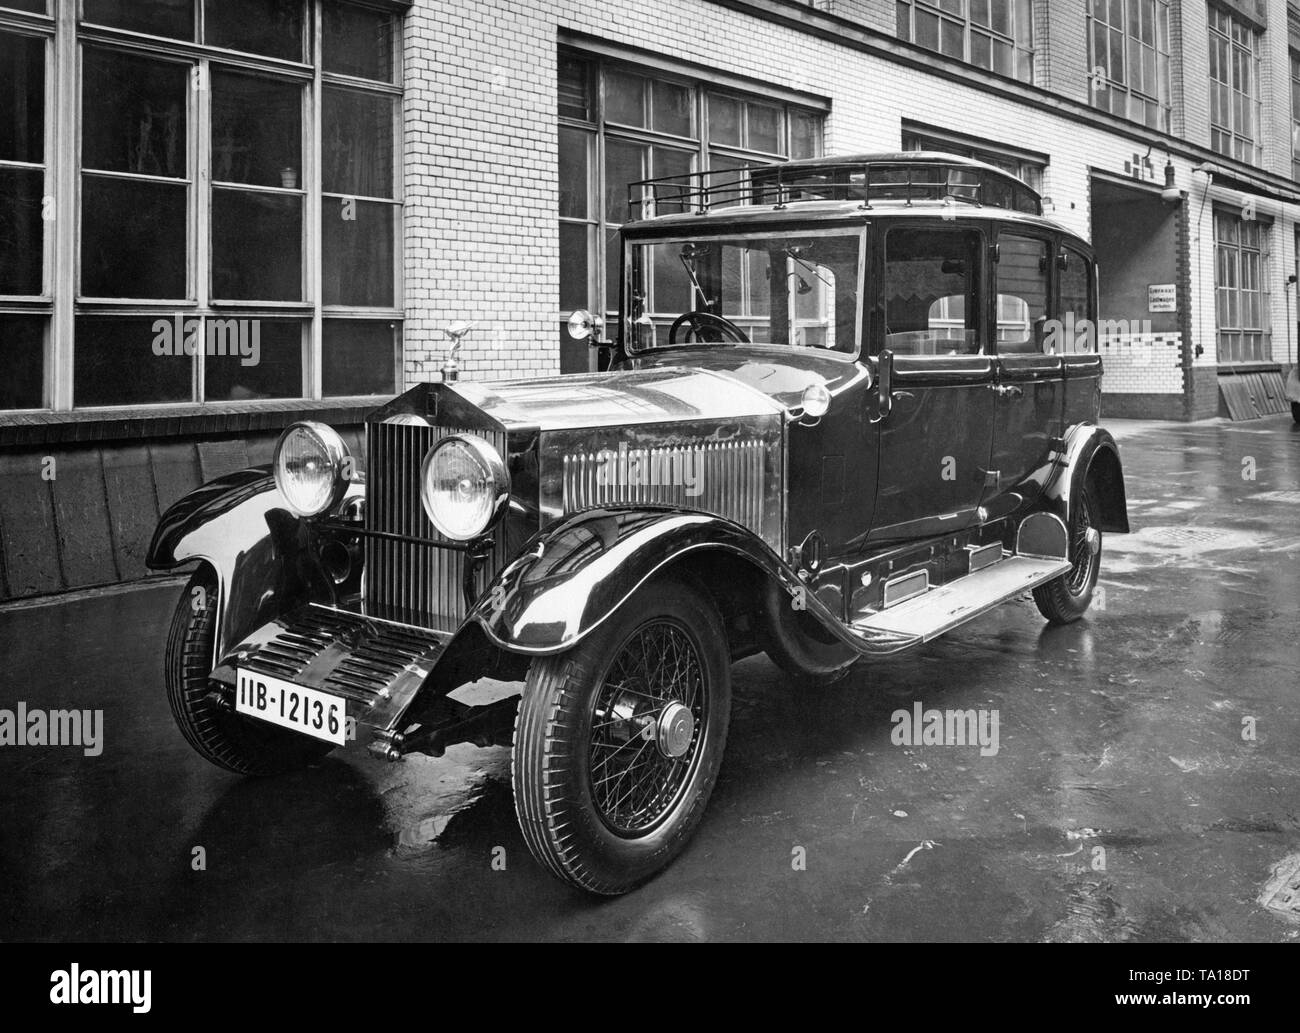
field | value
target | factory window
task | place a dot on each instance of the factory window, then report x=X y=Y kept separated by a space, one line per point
x=620 y=123
x=1128 y=54
x=1295 y=116
x=1025 y=167
x=993 y=34
x=224 y=248
x=1234 y=87
x=1240 y=287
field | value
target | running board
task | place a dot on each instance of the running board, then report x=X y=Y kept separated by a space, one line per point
x=941 y=609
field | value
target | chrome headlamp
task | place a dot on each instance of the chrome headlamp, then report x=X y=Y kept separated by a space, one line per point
x=464 y=486
x=311 y=468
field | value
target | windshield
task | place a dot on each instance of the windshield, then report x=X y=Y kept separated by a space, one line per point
x=798 y=291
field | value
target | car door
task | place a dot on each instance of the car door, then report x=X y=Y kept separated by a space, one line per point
x=1029 y=392
x=931 y=332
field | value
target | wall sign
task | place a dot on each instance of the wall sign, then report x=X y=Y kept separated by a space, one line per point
x=1162 y=297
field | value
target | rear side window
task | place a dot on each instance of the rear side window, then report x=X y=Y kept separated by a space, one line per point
x=930 y=291
x=1022 y=271
x=1074 y=309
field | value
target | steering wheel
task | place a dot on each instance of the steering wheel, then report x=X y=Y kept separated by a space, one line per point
x=705 y=326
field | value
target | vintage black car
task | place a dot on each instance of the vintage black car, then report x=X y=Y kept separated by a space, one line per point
x=850 y=404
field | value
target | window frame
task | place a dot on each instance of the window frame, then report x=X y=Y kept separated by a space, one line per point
x=40 y=26
x=62 y=302
x=1021 y=45
x=1163 y=63
x=1228 y=31
x=599 y=132
x=1261 y=335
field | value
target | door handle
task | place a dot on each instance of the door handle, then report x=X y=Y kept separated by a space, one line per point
x=1008 y=390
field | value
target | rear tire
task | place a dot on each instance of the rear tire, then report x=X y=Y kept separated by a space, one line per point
x=1065 y=599
x=239 y=744
x=1295 y=411
x=601 y=800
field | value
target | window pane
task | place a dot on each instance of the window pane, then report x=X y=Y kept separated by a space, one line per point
x=950 y=38
x=1022 y=293
x=360 y=357
x=129 y=360
x=764 y=128
x=22 y=362
x=357 y=144
x=357 y=237
x=623 y=165
x=573 y=172
x=252 y=358
x=357 y=41
x=133 y=239
x=256 y=246
x=613 y=270
x=171 y=18
x=805 y=135
x=669 y=162
x=22 y=231
x=133 y=114
x=671 y=109
x=575 y=100
x=573 y=266
x=22 y=98
x=624 y=98
x=724 y=120
x=256 y=131
x=270 y=27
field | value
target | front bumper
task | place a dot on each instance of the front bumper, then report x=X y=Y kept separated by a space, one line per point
x=377 y=666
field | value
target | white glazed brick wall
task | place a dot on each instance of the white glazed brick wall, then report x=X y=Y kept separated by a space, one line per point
x=480 y=159
x=1142 y=364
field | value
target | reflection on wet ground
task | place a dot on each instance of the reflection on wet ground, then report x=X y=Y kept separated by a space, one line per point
x=1127 y=799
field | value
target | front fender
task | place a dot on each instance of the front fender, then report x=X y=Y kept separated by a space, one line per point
x=1090 y=451
x=579 y=571
x=259 y=550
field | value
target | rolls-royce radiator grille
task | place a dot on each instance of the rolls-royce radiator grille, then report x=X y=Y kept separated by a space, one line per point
x=406 y=581
x=727 y=479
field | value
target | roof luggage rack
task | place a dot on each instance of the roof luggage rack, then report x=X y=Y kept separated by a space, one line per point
x=910 y=178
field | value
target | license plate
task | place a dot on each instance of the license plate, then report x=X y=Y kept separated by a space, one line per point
x=283 y=703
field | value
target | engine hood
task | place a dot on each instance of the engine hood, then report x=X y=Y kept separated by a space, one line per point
x=616 y=399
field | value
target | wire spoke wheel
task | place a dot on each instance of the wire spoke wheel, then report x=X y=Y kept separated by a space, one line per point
x=648 y=719
x=1082 y=553
x=619 y=740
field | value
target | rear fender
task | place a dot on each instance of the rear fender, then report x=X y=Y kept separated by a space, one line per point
x=1090 y=453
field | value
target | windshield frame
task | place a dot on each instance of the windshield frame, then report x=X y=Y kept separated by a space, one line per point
x=680 y=235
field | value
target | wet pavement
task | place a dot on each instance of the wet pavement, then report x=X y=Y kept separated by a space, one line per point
x=1146 y=785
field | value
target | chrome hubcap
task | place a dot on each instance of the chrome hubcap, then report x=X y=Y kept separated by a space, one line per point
x=674 y=730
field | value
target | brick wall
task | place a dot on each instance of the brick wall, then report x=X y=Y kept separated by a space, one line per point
x=480 y=149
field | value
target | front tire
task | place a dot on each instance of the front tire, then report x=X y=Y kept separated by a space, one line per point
x=618 y=741
x=1065 y=599
x=239 y=744
x=1295 y=411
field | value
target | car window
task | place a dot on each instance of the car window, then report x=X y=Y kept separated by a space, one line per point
x=929 y=291
x=1023 y=268
x=780 y=289
x=1074 y=310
